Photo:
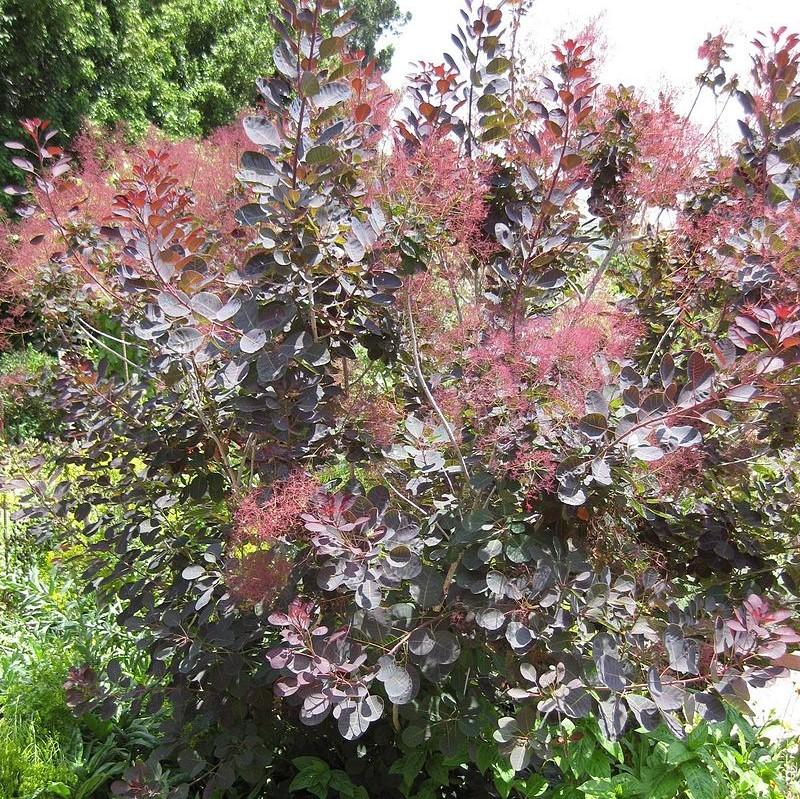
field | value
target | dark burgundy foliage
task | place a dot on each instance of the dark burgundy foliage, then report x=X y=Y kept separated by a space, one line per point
x=495 y=537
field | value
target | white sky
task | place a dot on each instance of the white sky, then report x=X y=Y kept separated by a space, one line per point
x=650 y=44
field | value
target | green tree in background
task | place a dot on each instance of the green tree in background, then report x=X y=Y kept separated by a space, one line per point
x=374 y=18
x=186 y=66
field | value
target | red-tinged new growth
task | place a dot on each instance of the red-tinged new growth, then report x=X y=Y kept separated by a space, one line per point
x=756 y=629
x=77 y=199
x=371 y=98
x=714 y=51
x=747 y=229
x=775 y=76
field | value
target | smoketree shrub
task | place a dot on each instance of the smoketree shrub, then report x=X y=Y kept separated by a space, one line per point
x=470 y=438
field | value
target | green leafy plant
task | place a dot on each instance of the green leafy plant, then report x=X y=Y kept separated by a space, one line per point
x=316 y=777
x=32 y=766
x=725 y=760
x=46 y=626
x=24 y=377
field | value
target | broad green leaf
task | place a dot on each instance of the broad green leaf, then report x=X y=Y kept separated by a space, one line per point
x=309 y=764
x=486 y=755
x=503 y=775
x=699 y=783
x=677 y=753
x=321 y=155
x=666 y=785
x=598 y=764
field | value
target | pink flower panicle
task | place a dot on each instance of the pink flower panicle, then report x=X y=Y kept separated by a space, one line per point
x=556 y=355
x=669 y=153
x=432 y=185
x=374 y=414
x=447 y=333
x=273 y=514
x=535 y=470
x=508 y=379
x=258 y=577
x=678 y=469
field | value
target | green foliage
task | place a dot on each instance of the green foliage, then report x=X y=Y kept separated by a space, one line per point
x=46 y=611
x=731 y=760
x=30 y=361
x=32 y=766
x=376 y=18
x=24 y=411
x=316 y=777
x=47 y=627
x=720 y=761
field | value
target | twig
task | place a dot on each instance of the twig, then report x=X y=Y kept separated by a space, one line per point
x=122 y=341
x=660 y=344
x=405 y=499
x=112 y=352
x=429 y=396
x=194 y=388
x=600 y=271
